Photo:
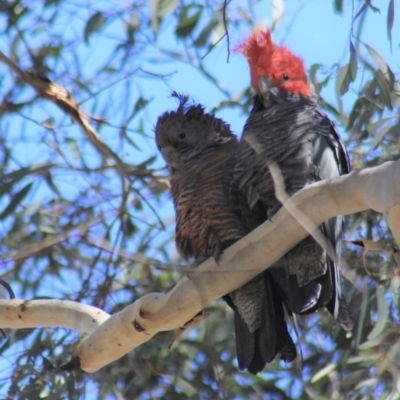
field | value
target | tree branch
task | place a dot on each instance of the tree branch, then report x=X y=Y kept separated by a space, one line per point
x=23 y=314
x=51 y=91
x=62 y=98
x=375 y=188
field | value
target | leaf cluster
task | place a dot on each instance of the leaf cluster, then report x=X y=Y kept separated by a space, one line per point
x=75 y=225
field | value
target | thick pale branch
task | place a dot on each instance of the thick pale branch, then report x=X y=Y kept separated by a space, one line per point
x=22 y=314
x=393 y=217
x=373 y=188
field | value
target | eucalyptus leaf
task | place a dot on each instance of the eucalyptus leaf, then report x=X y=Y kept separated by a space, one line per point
x=94 y=24
x=382 y=313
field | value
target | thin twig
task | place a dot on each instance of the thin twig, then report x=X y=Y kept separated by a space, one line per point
x=226 y=28
x=49 y=90
x=8 y=288
x=212 y=46
x=370 y=245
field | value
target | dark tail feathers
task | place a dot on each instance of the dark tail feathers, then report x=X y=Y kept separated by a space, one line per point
x=255 y=350
x=323 y=291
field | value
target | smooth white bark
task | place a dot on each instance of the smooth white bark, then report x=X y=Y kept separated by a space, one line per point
x=373 y=188
x=19 y=314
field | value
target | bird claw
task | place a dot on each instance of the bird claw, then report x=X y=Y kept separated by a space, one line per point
x=194 y=321
x=217 y=252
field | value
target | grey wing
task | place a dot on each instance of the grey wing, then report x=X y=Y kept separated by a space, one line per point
x=332 y=160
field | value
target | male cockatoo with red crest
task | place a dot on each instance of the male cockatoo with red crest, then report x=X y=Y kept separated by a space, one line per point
x=287 y=131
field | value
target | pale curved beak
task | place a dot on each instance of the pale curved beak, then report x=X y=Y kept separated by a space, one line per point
x=170 y=156
x=265 y=85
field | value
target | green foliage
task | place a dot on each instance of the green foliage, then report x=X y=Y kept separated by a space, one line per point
x=72 y=227
x=94 y=24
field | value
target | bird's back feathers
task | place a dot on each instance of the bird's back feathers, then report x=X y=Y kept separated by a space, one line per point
x=297 y=137
x=201 y=153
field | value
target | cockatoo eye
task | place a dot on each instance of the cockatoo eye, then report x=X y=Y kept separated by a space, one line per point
x=285 y=77
x=182 y=136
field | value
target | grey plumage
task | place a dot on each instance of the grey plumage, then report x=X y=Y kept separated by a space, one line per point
x=201 y=151
x=295 y=135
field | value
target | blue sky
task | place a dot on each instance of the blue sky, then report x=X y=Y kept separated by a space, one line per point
x=313 y=31
x=309 y=28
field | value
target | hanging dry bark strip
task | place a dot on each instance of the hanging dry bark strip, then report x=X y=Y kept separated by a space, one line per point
x=375 y=188
x=62 y=98
x=49 y=90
